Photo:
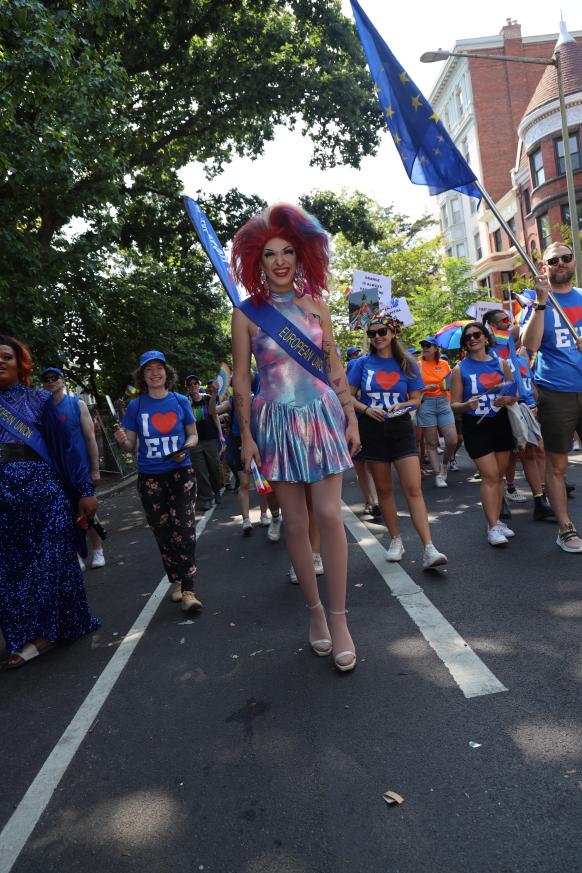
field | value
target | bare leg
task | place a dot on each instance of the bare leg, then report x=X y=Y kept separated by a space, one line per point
x=382 y=475
x=94 y=539
x=243 y=494
x=431 y=439
x=409 y=474
x=326 y=499
x=314 y=537
x=291 y=498
x=364 y=481
x=556 y=466
x=449 y=432
x=492 y=468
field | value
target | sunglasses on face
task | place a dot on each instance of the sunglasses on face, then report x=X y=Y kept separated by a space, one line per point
x=503 y=320
x=565 y=259
x=382 y=331
x=53 y=378
x=425 y=346
x=473 y=336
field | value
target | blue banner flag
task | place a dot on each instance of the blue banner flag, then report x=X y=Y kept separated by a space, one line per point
x=428 y=153
x=213 y=248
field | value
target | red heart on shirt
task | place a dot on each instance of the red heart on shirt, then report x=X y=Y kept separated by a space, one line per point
x=387 y=380
x=164 y=422
x=488 y=380
x=574 y=313
x=523 y=370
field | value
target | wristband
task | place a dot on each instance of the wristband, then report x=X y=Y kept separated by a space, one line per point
x=366 y=409
x=539 y=307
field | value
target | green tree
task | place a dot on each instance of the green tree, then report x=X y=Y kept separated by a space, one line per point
x=101 y=105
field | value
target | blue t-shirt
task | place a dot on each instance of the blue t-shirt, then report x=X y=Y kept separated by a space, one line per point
x=478 y=377
x=69 y=412
x=382 y=382
x=160 y=425
x=558 y=363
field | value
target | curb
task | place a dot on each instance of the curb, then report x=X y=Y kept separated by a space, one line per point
x=119 y=486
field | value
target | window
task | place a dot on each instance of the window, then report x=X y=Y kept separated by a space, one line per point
x=465 y=150
x=444 y=216
x=460 y=249
x=526 y=200
x=456 y=211
x=497 y=244
x=537 y=168
x=544 y=231
x=574 y=153
x=511 y=226
x=565 y=211
x=478 y=249
x=447 y=118
x=459 y=102
x=449 y=253
x=474 y=205
x=507 y=277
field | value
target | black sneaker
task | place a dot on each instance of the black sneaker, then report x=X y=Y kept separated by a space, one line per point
x=376 y=511
x=542 y=509
x=505 y=513
x=217 y=498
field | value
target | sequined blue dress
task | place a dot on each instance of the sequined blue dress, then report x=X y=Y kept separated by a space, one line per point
x=42 y=593
x=297 y=420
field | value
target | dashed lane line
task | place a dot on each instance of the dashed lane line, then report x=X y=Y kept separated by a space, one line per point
x=25 y=817
x=472 y=676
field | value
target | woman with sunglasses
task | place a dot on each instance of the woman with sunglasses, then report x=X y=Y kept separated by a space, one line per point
x=386 y=386
x=475 y=385
x=42 y=595
x=435 y=413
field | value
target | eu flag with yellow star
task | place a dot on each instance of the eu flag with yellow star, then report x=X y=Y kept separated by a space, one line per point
x=428 y=153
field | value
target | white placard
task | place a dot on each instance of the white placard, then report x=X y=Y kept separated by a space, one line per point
x=364 y=282
x=398 y=308
x=484 y=306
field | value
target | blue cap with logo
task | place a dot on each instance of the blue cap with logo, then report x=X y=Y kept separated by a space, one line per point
x=429 y=340
x=52 y=370
x=152 y=355
x=352 y=351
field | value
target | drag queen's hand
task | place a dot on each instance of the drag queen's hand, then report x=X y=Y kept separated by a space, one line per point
x=250 y=450
x=353 y=437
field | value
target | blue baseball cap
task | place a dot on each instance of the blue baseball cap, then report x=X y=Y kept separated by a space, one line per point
x=412 y=351
x=152 y=355
x=52 y=370
x=430 y=340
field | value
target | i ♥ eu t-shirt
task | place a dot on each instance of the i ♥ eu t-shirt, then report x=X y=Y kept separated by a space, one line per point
x=160 y=425
x=558 y=363
x=480 y=378
x=382 y=382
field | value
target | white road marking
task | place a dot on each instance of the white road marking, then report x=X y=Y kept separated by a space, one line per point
x=472 y=676
x=25 y=817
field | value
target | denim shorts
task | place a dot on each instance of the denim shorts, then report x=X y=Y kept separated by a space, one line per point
x=434 y=411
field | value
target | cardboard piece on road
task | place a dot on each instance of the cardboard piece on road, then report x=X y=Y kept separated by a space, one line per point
x=392 y=798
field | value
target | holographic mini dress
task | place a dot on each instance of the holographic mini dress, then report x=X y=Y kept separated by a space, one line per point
x=297 y=420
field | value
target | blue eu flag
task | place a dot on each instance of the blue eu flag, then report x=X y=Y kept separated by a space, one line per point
x=429 y=155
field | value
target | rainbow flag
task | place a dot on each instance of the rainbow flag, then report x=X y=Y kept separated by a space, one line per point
x=131 y=391
x=261 y=484
x=500 y=336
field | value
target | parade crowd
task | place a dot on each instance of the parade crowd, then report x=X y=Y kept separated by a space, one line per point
x=293 y=425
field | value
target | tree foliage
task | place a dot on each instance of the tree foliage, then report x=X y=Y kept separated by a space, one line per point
x=101 y=104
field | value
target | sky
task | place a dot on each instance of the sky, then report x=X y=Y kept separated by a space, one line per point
x=283 y=172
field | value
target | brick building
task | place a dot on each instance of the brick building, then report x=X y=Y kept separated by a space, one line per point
x=538 y=178
x=482 y=103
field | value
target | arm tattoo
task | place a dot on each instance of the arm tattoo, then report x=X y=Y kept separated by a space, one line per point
x=238 y=405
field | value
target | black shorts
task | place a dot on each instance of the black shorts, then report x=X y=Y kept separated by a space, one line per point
x=492 y=434
x=233 y=458
x=387 y=441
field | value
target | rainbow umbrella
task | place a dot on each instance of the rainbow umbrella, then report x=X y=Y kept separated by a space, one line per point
x=449 y=336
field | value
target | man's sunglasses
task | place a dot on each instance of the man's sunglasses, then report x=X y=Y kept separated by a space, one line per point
x=565 y=259
x=53 y=378
x=382 y=331
x=473 y=336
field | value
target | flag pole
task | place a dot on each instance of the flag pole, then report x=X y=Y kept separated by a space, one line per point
x=490 y=203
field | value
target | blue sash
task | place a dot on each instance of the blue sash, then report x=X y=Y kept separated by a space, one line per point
x=265 y=316
x=24 y=431
x=287 y=335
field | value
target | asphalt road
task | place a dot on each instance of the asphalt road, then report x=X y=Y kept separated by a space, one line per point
x=225 y=746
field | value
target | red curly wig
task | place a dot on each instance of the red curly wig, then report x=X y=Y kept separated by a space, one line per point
x=295 y=226
x=23 y=357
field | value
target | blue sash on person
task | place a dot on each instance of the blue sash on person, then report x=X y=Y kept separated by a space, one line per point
x=24 y=431
x=270 y=320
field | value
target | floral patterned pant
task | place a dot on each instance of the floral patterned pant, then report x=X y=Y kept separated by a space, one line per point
x=168 y=500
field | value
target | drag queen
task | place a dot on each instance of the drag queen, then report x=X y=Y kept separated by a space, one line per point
x=42 y=596
x=300 y=427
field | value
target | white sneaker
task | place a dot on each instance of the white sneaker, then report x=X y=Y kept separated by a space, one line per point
x=515 y=496
x=506 y=531
x=454 y=465
x=396 y=550
x=440 y=481
x=98 y=559
x=432 y=557
x=247 y=527
x=318 y=564
x=293 y=576
x=265 y=522
x=274 y=532
x=81 y=562
x=495 y=536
